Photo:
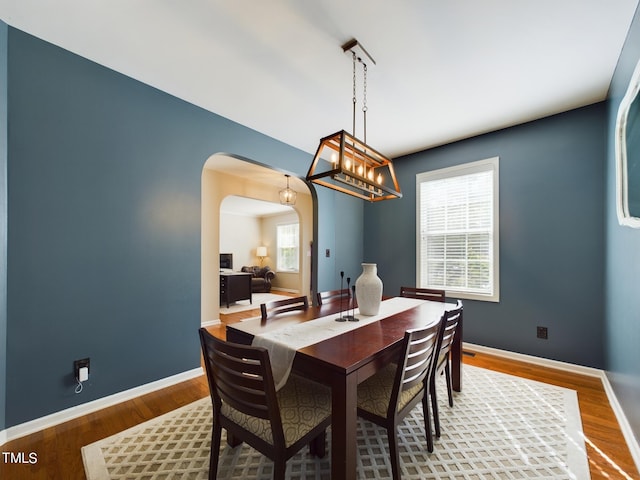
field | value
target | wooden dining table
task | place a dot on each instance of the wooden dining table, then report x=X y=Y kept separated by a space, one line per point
x=343 y=361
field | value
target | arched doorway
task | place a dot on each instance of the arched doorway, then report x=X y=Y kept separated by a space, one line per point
x=223 y=176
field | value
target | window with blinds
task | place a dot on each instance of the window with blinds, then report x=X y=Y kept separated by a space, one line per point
x=288 y=241
x=457 y=223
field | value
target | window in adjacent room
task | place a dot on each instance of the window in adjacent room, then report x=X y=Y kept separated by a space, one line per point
x=288 y=246
x=457 y=229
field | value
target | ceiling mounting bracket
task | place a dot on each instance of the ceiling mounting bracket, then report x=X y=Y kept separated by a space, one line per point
x=354 y=46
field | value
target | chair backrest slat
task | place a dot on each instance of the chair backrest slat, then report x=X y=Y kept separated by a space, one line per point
x=246 y=388
x=423 y=293
x=240 y=376
x=415 y=362
x=447 y=334
x=246 y=403
x=422 y=345
x=278 y=307
x=333 y=295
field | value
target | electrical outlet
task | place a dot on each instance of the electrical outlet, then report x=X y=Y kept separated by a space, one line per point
x=78 y=364
x=543 y=333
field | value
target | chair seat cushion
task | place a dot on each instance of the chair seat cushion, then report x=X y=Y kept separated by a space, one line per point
x=374 y=394
x=303 y=405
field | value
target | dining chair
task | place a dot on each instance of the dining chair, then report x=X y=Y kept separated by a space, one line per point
x=246 y=404
x=423 y=293
x=388 y=396
x=333 y=295
x=278 y=307
x=442 y=363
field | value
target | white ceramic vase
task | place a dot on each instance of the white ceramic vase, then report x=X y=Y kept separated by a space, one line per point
x=369 y=290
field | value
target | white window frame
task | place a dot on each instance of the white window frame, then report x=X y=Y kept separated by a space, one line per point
x=489 y=164
x=279 y=266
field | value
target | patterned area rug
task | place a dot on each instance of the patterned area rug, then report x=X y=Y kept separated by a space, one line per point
x=501 y=427
x=256 y=300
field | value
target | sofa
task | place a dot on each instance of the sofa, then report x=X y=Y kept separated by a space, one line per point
x=261 y=278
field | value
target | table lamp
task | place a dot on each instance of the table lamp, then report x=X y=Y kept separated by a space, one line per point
x=261 y=252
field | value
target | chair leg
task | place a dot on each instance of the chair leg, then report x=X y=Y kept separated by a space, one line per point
x=434 y=406
x=318 y=446
x=216 y=433
x=232 y=441
x=447 y=374
x=392 y=438
x=427 y=421
x=279 y=468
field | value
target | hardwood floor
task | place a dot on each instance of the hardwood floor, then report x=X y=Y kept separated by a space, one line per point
x=58 y=447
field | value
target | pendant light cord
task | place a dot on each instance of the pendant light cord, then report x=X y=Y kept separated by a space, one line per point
x=364 y=96
x=354 y=94
x=364 y=100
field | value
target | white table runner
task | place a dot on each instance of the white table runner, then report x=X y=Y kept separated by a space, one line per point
x=283 y=343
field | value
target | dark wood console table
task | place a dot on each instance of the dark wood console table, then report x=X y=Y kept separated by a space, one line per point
x=235 y=286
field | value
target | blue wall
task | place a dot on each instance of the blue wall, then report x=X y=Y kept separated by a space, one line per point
x=342 y=216
x=623 y=262
x=348 y=238
x=104 y=226
x=551 y=235
x=3 y=219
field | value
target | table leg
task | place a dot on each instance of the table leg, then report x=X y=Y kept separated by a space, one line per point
x=456 y=358
x=344 y=417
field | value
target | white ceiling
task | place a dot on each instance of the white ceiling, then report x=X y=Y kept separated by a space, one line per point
x=249 y=207
x=257 y=173
x=445 y=70
x=238 y=205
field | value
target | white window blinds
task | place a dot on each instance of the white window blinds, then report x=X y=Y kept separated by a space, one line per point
x=457 y=230
x=288 y=241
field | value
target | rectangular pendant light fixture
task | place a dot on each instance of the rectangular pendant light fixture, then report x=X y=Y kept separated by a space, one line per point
x=347 y=164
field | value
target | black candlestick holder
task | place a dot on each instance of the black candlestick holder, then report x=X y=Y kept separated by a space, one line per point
x=352 y=317
x=341 y=318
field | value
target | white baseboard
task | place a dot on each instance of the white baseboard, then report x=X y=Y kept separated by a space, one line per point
x=62 y=416
x=288 y=290
x=543 y=362
x=625 y=426
x=210 y=323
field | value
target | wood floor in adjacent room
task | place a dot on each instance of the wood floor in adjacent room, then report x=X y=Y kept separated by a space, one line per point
x=58 y=448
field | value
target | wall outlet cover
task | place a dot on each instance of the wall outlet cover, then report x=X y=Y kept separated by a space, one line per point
x=78 y=364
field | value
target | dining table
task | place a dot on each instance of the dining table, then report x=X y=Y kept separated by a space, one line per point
x=346 y=354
